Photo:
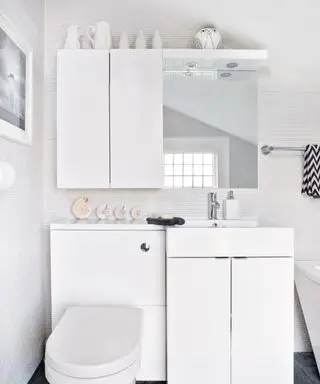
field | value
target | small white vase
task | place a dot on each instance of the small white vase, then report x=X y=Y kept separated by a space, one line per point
x=140 y=41
x=124 y=41
x=72 y=40
x=156 y=41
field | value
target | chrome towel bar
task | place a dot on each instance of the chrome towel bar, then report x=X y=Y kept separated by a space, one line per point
x=267 y=149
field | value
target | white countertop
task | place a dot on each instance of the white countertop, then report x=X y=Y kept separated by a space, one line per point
x=142 y=225
x=102 y=225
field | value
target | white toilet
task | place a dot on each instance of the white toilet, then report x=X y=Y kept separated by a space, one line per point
x=95 y=345
x=307 y=278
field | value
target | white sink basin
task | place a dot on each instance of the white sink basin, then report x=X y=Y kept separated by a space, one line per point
x=220 y=224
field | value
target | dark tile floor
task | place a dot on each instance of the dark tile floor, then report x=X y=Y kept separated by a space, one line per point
x=305 y=371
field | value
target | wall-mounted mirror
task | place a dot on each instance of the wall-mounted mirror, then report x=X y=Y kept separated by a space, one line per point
x=210 y=129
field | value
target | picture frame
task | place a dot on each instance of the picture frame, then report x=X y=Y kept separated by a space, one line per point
x=16 y=84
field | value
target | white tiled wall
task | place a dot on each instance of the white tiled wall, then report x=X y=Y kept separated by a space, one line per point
x=22 y=265
x=289 y=100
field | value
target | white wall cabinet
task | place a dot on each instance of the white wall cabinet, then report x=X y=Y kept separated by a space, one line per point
x=136 y=119
x=205 y=296
x=109 y=119
x=83 y=119
x=198 y=321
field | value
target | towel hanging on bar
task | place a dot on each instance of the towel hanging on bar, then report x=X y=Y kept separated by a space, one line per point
x=311 y=171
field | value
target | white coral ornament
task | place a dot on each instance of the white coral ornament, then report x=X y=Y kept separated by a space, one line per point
x=208 y=38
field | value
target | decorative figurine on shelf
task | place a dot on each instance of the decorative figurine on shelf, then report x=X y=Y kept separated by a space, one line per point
x=156 y=41
x=72 y=40
x=81 y=209
x=105 y=212
x=120 y=212
x=124 y=41
x=140 y=41
x=208 y=38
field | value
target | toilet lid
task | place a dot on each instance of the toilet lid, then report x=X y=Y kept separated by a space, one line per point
x=91 y=342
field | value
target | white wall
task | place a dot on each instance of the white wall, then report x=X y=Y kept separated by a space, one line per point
x=289 y=100
x=21 y=225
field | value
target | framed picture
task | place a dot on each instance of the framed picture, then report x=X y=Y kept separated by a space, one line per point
x=16 y=79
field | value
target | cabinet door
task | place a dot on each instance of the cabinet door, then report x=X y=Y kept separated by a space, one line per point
x=136 y=101
x=198 y=321
x=262 y=321
x=83 y=119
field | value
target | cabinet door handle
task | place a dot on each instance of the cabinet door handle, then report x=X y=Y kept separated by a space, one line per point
x=144 y=247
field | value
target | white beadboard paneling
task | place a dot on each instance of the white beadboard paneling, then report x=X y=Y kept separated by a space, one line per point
x=22 y=263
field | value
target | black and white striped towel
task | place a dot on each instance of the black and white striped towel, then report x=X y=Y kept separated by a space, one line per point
x=311 y=171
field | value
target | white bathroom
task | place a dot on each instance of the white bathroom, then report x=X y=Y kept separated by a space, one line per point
x=159 y=185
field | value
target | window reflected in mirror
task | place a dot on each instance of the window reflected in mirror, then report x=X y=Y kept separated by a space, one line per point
x=190 y=170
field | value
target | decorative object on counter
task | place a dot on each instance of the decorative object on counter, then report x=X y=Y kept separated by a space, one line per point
x=124 y=41
x=100 y=35
x=16 y=78
x=208 y=38
x=105 y=212
x=81 y=208
x=140 y=41
x=166 y=221
x=120 y=212
x=231 y=207
x=156 y=41
x=311 y=175
x=72 y=40
x=7 y=175
x=136 y=213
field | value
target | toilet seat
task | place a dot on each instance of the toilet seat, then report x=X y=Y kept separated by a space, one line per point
x=95 y=342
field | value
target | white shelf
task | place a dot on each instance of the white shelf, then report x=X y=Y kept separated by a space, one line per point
x=217 y=59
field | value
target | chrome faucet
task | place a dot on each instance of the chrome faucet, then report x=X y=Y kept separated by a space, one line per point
x=213 y=206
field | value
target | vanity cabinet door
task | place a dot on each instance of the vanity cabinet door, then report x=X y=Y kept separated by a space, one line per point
x=136 y=102
x=262 y=321
x=198 y=321
x=83 y=119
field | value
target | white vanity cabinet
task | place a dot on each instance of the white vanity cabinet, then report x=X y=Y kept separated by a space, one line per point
x=109 y=119
x=230 y=318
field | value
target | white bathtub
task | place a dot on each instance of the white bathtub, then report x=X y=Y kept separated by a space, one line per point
x=307 y=278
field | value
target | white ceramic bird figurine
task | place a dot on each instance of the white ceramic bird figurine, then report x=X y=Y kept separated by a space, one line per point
x=208 y=38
